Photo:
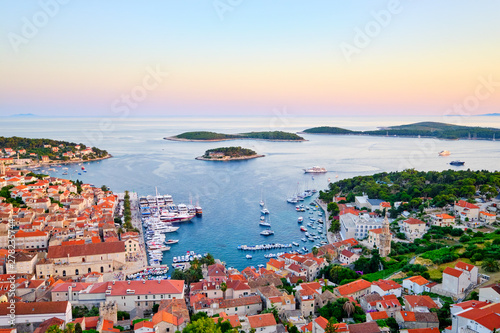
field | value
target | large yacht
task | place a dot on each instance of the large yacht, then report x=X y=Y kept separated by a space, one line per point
x=315 y=169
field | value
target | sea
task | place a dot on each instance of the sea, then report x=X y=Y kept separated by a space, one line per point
x=230 y=192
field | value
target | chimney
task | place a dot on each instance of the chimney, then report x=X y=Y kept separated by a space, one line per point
x=128 y=282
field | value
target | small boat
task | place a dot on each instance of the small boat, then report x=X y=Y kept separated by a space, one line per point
x=64 y=173
x=83 y=168
x=300 y=219
x=261 y=203
x=444 y=153
x=303 y=229
x=262 y=218
x=265 y=211
x=304 y=239
x=172 y=241
x=267 y=232
x=295 y=243
x=248 y=256
x=264 y=224
x=457 y=163
x=304 y=249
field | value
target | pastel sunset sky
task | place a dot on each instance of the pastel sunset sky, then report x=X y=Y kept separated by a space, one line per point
x=248 y=57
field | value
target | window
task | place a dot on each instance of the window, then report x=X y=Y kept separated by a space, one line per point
x=76 y=271
x=138 y=297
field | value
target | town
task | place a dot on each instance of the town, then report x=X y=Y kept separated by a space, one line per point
x=68 y=252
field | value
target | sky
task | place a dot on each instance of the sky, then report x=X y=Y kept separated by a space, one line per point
x=242 y=57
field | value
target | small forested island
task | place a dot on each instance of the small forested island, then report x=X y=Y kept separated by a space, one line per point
x=25 y=151
x=422 y=129
x=228 y=154
x=212 y=136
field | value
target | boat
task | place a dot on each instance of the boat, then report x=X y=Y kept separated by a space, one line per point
x=444 y=153
x=248 y=256
x=264 y=224
x=457 y=163
x=315 y=169
x=267 y=232
x=300 y=219
x=303 y=229
x=295 y=244
x=83 y=168
x=172 y=241
x=265 y=211
x=304 y=239
x=64 y=173
x=199 y=211
x=304 y=249
x=261 y=203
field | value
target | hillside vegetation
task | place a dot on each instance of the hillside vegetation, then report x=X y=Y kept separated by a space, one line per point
x=212 y=136
x=424 y=129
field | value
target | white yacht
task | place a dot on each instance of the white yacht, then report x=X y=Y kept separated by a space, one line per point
x=315 y=169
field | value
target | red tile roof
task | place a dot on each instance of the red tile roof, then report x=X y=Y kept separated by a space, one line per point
x=386 y=284
x=85 y=250
x=420 y=300
x=418 y=280
x=466 y=204
x=424 y=330
x=463 y=266
x=262 y=320
x=353 y=287
x=35 y=308
x=379 y=315
x=144 y=323
x=408 y=315
x=413 y=221
x=452 y=271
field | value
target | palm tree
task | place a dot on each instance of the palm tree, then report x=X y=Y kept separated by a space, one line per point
x=223 y=287
x=490 y=265
x=349 y=308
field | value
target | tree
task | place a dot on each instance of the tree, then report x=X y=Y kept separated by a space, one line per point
x=155 y=308
x=78 y=328
x=202 y=325
x=490 y=265
x=315 y=251
x=334 y=226
x=223 y=287
x=54 y=329
x=330 y=327
x=333 y=208
x=348 y=308
x=70 y=328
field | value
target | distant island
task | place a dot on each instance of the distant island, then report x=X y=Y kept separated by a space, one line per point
x=490 y=114
x=27 y=152
x=422 y=129
x=212 y=136
x=228 y=154
x=24 y=115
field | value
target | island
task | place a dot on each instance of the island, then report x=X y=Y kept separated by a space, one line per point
x=212 y=136
x=229 y=154
x=22 y=152
x=422 y=129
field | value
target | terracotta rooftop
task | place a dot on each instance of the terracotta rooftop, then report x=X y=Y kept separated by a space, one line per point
x=353 y=287
x=262 y=320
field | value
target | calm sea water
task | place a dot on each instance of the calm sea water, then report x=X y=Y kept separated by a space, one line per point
x=230 y=192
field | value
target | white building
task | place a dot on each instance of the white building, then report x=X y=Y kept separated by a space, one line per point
x=35 y=312
x=455 y=281
x=415 y=284
x=354 y=226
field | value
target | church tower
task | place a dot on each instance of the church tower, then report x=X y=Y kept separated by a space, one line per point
x=2 y=168
x=385 y=239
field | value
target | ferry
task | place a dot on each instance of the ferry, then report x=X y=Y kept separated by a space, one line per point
x=457 y=163
x=315 y=169
x=267 y=232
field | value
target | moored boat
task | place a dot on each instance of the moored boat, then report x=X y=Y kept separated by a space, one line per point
x=457 y=163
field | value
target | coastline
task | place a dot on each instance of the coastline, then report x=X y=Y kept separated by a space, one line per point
x=173 y=138
x=44 y=164
x=242 y=158
x=399 y=136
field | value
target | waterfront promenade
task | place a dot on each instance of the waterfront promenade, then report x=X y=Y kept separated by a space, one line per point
x=330 y=236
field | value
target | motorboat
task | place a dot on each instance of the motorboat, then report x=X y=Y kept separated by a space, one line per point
x=267 y=232
x=315 y=169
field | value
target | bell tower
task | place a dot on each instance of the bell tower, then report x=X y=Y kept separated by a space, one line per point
x=385 y=238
